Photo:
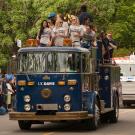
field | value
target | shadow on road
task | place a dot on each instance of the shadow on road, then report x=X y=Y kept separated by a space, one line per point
x=62 y=127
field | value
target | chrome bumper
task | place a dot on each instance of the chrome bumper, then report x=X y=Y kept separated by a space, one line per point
x=79 y=115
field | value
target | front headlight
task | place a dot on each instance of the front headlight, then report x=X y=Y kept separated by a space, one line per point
x=61 y=83
x=67 y=107
x=72 y=82
x=21 y=83
x=27 y=107
x=106 y=77
x=67 y=98
x=27 y=98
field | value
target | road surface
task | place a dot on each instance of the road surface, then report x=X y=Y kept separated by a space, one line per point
x=125 y=126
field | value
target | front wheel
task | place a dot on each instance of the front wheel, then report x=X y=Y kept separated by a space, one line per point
x=24 y=124
x=94 y=123
x=126 y=104
x=115 y=113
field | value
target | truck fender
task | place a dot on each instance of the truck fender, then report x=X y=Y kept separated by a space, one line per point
x=92 y=97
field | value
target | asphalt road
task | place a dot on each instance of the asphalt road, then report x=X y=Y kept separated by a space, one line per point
x=125 y=126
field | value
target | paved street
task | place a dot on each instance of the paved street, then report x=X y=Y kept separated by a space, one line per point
x=125 y=126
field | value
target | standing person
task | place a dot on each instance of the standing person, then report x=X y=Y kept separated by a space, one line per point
x=75 y=31
x=4 y=91
x=0 y=75
x=10 y=93
x=112 y=44
x=59 y=33
x=52 y=16
x=9 y=76
x=13 y=85
x=60 y=17
x=44 y=35
x=105 y=46
x=89 y=35
x=84 y=14
x=1 y=84
x=50 y=24
x=2 y=108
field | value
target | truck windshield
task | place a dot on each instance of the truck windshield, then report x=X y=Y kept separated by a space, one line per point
x=40 y=62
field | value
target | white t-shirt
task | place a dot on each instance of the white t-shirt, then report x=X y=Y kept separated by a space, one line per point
x=45 y=36
x=74 y=31
x=9 y=88
x=58 y=35
x=65 y=25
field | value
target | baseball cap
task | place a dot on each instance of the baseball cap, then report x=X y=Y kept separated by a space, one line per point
x=51 y=15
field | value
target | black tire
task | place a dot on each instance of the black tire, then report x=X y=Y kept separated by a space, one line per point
x=114 y=115
x=128 y=104
x=125 y=104
x=96 y=121
x=93 y=124
x=24 y=124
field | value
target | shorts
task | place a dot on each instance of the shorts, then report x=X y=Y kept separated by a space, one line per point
x=8 y=99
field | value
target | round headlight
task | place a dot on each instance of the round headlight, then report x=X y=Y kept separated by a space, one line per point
x=67 y=98
x=22 y=89
x=67 y=107
x=27 y=98
x=27 y=107
x=106 y=77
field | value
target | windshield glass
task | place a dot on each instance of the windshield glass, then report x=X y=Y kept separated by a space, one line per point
x=40 y=62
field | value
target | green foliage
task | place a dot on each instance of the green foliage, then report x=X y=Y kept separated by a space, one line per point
x=123 y=52
x=20 y=19
x=3 y=59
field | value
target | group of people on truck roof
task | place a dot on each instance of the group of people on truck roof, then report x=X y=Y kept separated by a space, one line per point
x=79 y=30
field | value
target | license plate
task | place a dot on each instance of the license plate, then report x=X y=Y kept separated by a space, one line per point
x=47 y=106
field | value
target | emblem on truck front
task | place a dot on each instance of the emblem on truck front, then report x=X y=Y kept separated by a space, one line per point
x=46 y=77
x=46 y=93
